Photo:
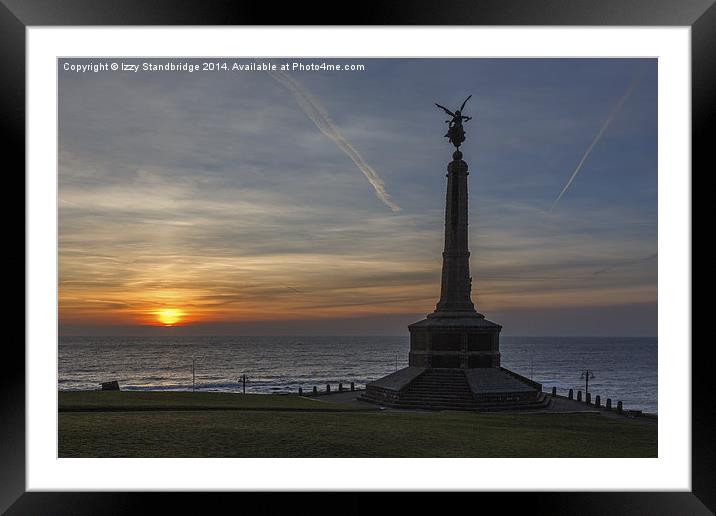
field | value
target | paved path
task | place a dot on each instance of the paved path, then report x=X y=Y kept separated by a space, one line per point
x=348 y=398
x=351 y=398
x=562 y=404
x=559 y=405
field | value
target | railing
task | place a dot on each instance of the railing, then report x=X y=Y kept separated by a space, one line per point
x=619 y=409
x=316 y=392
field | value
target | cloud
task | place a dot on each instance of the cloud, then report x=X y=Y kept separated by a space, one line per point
x=320 y=117
x=612 y=114
x=627 y=263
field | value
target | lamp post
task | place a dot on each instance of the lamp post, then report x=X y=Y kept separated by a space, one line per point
x=242 y=379
x=587 y=375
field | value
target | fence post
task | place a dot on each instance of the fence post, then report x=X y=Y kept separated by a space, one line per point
x=579 y=395
x=300 y=391
x=609 y=404
x=340 y=387
x=554 y=391
x=598 y=401
x=571 y=394
x=353 y=386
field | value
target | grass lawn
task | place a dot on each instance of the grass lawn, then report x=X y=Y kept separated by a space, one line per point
x=144 y=425
x=143 y=400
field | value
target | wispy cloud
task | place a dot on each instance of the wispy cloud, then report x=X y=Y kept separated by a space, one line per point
x=318 y=115
x=612 y=114
x=627 y=263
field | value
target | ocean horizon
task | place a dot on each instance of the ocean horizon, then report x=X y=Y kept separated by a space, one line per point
x=624 y=368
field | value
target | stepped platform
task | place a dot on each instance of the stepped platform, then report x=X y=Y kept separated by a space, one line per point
x=478 y=389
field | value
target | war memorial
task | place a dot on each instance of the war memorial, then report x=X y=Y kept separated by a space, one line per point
x=454 y=359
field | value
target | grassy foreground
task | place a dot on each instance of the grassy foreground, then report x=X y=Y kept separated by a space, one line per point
x=144 y=400
x=153 y=424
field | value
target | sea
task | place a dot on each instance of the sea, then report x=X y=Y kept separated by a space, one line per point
x=619 y=368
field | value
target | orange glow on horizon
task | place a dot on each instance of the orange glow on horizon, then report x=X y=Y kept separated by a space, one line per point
x=169 y=316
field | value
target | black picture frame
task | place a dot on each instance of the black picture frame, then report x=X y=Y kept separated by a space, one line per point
x=17 y=15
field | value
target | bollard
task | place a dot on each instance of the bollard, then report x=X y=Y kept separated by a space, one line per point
x=589 y=398
x=328 y=388
x=353 y=387
x=554 y=391
x=340 y=387
x=300 y=391
x=579 y=395
x=620 y=407
x=598 y=401
x=315 y=390
x=571 y=394
x=609 y=404
x=110 y=386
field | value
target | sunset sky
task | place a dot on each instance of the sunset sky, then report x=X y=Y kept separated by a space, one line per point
x=212 y=202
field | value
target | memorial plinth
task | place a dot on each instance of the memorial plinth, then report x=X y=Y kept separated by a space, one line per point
x=455 y=334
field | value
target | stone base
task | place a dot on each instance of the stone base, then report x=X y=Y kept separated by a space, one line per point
x=454 y=340
x=487 y=388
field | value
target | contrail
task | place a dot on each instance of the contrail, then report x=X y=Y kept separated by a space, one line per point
x=598 y=137
x=319 y=116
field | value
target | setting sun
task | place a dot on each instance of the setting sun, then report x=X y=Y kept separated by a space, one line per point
x=169 y=316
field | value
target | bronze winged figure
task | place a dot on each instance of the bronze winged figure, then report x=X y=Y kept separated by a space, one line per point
x=456 y=132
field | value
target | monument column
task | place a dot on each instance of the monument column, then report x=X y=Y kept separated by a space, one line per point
x=456 y=282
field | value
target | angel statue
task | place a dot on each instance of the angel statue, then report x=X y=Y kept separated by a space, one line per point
x=456 y=133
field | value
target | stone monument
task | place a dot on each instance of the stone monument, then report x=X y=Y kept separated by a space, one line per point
x=454 y=359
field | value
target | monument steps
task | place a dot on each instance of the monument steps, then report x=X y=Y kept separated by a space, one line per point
x=543 y=401
x=431 y=396
x=448 y=389
x=443 y=384
x=438 y=387
x=432 y=392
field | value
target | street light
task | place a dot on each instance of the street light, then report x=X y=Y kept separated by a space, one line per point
x=587 y=375
x=242 y=379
